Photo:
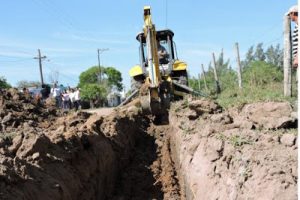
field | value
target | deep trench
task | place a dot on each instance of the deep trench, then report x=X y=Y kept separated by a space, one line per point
x=150 y=172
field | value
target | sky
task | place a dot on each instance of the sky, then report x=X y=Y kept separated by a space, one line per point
x=69 y=33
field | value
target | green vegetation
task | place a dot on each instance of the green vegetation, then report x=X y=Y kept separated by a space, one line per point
x=238 y=141
x=94 y=90
x=27 y=84
x=3 y=83
x=262 y=74
x=235 y=140
x=9 y=136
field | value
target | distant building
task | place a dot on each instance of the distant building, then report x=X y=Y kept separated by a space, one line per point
x=113 y=99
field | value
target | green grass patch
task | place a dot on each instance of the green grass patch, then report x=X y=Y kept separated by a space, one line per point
x=250 y=94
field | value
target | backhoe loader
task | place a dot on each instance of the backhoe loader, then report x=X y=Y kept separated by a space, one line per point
x=161 y=77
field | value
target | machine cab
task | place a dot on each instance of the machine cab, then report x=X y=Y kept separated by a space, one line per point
x=165 y=47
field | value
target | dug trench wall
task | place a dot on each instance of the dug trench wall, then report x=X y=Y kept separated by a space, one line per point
x=242 y=153
x=51 y=155
x=204 y=152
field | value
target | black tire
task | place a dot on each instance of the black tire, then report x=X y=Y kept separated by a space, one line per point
x=182 y=78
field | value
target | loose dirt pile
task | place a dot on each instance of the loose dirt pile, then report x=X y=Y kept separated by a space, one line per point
x=45 y=154
x=18 y=111
x=243 y=153
x=203 y=153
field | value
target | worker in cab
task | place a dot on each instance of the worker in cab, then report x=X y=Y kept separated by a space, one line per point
x=162 y=54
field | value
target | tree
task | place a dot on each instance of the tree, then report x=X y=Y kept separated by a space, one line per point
x=259 y=54
x=3 y=83
x=89 y=76
x=222 y=67
x=114 y=78
x=249 y=57
x=274 y=56
x=27 y=84
x=92 y=90
x=261 y=73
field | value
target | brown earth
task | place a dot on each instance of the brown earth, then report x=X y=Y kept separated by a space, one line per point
x=242 y=153
x=204 y=152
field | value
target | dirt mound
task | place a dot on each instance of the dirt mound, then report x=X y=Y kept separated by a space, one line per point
x=18 y=111
x=242 y=153
x=74 y=158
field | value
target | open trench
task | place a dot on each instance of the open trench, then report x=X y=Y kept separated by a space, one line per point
x=150 y=172
x=202 y=153
x=119 y=156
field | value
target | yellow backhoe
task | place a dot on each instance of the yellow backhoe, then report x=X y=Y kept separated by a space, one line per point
x=161 y=77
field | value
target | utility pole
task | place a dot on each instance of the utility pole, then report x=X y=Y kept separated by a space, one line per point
x=99 y=52
x=287 y=58
x=39 y=57
x=239 y=68
x=216 y=75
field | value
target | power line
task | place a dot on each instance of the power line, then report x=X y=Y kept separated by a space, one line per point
x=51 y=13
x=16 y=51
x=63 y=74
x=268 y=30
x=8 y=56
x=20 y=60
x=62 y=17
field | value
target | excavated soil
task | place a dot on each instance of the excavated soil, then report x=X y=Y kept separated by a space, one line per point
x=248 y=152
x=205 y=152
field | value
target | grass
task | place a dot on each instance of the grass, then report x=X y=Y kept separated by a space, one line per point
x=8 y=136
x=186 y=129
x=238 y=141
x=250 y=94
x=235 y=140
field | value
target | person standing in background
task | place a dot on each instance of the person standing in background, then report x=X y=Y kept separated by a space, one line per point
x=293 y=14
x=56 y=93
x=77 y=102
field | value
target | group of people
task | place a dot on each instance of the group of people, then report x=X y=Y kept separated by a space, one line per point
x=66 y=98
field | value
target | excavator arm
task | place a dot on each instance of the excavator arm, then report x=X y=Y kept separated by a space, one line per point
x=151 y=43
x=150 y=96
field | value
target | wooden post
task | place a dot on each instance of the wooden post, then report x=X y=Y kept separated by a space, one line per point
x=218 y=89
x=203 y=72
x=239 y=68
x=199 y=85
x=287 y=58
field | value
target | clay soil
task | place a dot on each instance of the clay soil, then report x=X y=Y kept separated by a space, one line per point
x=204 y=152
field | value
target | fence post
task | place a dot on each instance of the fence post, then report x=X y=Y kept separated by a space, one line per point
x=287 y=58
x=239 y=68
x=204 y=76
x=216 y=75
x=199 y=84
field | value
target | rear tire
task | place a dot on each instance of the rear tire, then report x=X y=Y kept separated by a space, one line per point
x=182 y=78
